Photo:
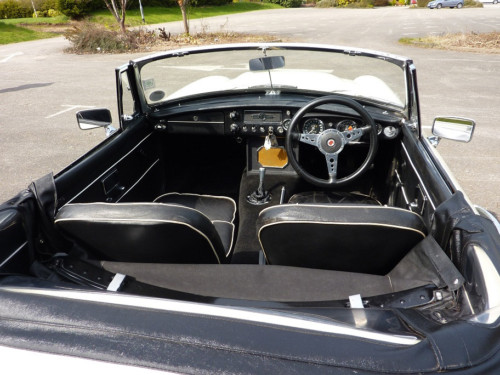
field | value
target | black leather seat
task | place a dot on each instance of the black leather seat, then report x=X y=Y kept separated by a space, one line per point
x=221 y=211
x=199 y=231
x=355 y=238
x=332 y=197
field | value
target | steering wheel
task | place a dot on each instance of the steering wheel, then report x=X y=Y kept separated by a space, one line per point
x=331 y=142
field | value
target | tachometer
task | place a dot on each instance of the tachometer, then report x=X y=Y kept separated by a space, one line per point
x=344 y=125
x=313 y=126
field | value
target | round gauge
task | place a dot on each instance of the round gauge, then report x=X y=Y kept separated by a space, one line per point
x=390 y=131
x=346 y=125
x=313 y=126
x=379 y=129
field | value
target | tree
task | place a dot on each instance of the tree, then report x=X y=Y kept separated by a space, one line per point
x=117 y=9
x=183 y=4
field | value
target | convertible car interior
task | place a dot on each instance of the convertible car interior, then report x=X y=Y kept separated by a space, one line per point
x=251 y=190
x=200 y=208
x=257 y=209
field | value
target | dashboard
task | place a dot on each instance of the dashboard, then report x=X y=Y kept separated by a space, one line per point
x=247 y=123
x=261 y=122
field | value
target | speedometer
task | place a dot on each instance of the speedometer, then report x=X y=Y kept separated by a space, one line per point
x=345 y=125
x=313 y=126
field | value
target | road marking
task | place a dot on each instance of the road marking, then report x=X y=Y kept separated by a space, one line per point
x=11 y=56
x=70 y=108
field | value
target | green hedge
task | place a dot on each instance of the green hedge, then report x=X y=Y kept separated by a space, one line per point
x=286 y=3
x=78 y=9
x=134 y=4
x=351 y=4
x=15 y=9
x=204 y=3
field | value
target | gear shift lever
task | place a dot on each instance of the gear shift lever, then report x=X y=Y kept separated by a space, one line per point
x=260 y=196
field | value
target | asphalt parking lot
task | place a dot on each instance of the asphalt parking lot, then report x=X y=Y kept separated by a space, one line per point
x=41 y=87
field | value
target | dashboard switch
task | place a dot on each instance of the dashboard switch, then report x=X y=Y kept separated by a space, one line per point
x=234 y=128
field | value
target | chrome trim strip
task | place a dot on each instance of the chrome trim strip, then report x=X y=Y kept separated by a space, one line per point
x=491 y=280
x=109 y=169
x=486 y=214
x=260 y=316
x=403 y=190
x=13 y=254
x=200 y=122
x=139 y=180
x=455 y=184
x=418 y=176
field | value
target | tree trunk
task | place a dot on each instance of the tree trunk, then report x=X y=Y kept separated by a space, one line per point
x=183 y=4
x=119 y=17
x=184 y=18
x=122 y=21
x=122 y=25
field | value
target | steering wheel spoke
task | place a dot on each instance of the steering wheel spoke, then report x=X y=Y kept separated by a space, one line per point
x=331 y=164
x=352 y=135
x=310 y=139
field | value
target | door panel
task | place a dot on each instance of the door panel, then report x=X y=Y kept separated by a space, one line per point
x=127 y=168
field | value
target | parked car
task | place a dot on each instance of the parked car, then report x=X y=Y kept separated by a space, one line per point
x=257 y=208
x=438 y=4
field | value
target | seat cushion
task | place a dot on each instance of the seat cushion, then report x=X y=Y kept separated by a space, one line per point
x=221 y=211
x=216 y=208
x=333 y=197
x=142 y=232
x=353 y=238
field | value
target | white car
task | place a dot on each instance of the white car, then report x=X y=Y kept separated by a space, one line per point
x=445 y=3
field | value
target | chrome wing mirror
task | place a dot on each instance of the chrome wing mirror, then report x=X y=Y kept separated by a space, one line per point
x=95 y=118
x=454 y=128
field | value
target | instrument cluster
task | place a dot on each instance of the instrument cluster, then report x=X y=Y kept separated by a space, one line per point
x=315 y=125
x=263 y=122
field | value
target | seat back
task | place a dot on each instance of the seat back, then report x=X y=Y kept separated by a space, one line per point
x=354 y=238
x=142 y=232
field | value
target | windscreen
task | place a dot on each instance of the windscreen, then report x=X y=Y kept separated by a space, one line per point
x=191 y=74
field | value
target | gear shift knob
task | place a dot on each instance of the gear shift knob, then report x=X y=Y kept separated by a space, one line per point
x=262 y=174
x=260 y=196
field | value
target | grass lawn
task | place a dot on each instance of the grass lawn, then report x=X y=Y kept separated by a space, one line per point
x=36 y=21
x=13 y=34
x=154 y=15
x=24 y=29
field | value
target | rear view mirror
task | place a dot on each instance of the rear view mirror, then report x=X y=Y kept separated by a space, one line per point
x=267 y=63
x=94 y=118
x=454 y=128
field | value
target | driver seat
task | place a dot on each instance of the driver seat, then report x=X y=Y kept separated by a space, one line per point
x=360 y=238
